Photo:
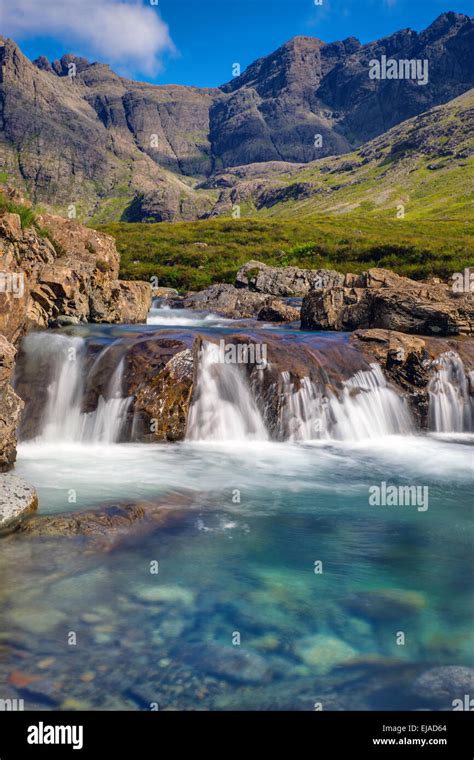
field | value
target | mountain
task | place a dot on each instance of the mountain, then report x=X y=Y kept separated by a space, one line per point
x=425 y=164
x=121 y=149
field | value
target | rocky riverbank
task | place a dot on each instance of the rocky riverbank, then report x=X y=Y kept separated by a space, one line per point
x=53 y=272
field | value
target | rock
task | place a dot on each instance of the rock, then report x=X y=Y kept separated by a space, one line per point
x=239 y=303
x=285 y=281
x=385 y=300
x=161 y=382
x=17 y=499
x=410 y=362
x=121 y=302
x=36 y=620
x=386 y=604
x=274 y=310
x=323 y=652
x=64 y=320
x=231 y=662
x=226 y=300
x=159 y=594
x=85 y=523
x=68 y=271
x=11 y=407
x=165 y=292
x=440 y=686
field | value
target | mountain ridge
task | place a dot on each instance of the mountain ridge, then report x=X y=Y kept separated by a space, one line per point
x=114 y=148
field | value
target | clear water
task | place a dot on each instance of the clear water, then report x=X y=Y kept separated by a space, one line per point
x=248 y=520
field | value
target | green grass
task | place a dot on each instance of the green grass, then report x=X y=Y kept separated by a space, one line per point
x=26 y=214
x=349 y=243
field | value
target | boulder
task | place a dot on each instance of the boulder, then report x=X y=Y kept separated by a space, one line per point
x=383 y=299
x=440 y=686
x=239 y=303
x=162 y=400
x=274 y=310
x=17 y=499
x=11 y=407
x=285 y=281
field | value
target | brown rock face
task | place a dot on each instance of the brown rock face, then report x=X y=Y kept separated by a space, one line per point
x=390 y=302
x=69 y=271
x=56 y=272
x=10 y=407
x=161 y=378
x=409 y=361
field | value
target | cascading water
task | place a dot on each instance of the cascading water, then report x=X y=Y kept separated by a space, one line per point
x=224 y=409
x=63 y=418
x=451 y=407
x=365 y=408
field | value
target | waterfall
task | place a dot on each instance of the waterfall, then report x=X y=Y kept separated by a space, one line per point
x=365 y=407
x=63 y=418
x=451 y=407
x=224 y=408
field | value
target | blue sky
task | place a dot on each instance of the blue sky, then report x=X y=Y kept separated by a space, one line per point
x=196 y=41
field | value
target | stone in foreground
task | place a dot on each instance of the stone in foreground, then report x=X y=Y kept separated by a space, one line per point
x=17 y=499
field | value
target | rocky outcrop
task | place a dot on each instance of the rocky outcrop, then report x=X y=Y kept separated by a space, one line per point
x=59 y=269
x=285 y=281
x=161 y=376
x=240 y=303
x=410 y=361
x=54 y=272
x=10 y=407
x=17 y=500
x=382 y=299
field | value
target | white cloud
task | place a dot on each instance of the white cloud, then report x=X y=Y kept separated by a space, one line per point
x=125 y=33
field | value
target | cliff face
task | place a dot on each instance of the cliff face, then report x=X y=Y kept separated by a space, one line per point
x=51 y=273
x=140 y=149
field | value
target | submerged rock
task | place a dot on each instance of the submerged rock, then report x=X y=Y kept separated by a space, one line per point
x=17 y=500
x=442 y=685
x=323 y=652
x=159 y=594
x=386 y=604
x=231 y=662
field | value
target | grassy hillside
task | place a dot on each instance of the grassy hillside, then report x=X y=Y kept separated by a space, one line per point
x=403 y=201
x=192 y=255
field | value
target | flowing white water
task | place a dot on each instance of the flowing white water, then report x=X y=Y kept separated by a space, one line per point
x=366 y=408
x=166 y=317
x=224 y=408
x=63 y=418
x=451 y=408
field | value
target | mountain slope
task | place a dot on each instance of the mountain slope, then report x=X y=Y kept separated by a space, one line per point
x=121 y=149
x=422 y=167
